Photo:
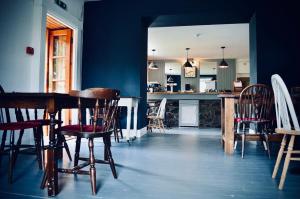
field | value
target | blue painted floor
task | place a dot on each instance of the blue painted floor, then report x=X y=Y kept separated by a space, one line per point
x=184 y=166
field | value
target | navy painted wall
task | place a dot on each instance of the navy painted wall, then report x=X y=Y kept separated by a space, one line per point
x=115 y=38
x=278 y=41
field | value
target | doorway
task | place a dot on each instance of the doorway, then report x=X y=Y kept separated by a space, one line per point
x=58 y=62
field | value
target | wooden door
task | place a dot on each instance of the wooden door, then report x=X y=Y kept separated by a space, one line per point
x=59 y=67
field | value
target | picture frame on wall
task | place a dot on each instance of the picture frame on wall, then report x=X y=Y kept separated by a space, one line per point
x=190 y=71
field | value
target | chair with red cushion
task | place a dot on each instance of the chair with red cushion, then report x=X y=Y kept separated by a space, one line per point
x=17 y=127
x=46 y=122
x=254 y=108
x=105 y=102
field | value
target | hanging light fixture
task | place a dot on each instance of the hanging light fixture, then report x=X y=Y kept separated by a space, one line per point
x=223 y=63
x=152 y=65
x=187 y=63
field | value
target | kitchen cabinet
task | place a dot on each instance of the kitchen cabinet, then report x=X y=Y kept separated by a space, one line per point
x=172 y=68
x=242 y=66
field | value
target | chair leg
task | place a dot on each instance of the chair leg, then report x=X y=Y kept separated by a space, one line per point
x=235 y=144
x=43 y=148
x=37 y=143
x=286 y=162
x=116 y=136
x=149 y=125
x=162 y=125
x=18 y=145
x=77 y=150
x=45 y=177
x=279 y=156
x=92 y=166
x=267 y=144
x=238 y=126
x=66 y=146
x=107 y=145
x=2 y=145
x=243 y=140
x=243 y=144
x=11 y=156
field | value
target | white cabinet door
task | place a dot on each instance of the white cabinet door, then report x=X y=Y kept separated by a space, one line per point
x=188 y=112
x=172 y=68
x=242 y=66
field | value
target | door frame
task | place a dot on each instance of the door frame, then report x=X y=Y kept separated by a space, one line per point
x=41 y=10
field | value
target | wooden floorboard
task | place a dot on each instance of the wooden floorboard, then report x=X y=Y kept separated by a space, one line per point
x=163 y=166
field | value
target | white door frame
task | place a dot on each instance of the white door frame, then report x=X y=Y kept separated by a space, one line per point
x=41 y=9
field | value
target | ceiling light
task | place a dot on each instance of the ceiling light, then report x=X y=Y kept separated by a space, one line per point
x=223 y=63
x=152 y=65
x=187 y=63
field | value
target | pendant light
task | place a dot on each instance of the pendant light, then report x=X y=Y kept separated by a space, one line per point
x=187 y=63
x=223 y=63
x=152 y=65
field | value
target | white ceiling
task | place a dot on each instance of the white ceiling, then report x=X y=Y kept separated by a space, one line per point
x=204 y=41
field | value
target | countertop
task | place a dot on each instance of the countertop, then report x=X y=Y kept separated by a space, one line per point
x=183 y=93
x=183 y=96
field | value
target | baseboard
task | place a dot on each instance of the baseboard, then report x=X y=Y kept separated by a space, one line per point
x=140 y=132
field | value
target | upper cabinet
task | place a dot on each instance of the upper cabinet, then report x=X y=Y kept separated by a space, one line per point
x=208 y=68
x=172 y=68
x=242 y=66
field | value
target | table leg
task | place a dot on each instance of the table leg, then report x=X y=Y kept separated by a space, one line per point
x=128 y=123
x=222 y=122
x=136 y=104
x=229 y=125
x=52 y=177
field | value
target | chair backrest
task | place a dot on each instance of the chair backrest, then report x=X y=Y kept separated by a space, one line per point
x=4 y=112
x=256 y=102
x=162 y=108
x=283 y=105
x=105 y=104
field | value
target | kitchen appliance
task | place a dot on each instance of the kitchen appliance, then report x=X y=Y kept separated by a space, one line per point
x=187 y=87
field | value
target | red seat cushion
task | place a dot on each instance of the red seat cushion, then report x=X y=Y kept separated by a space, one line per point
x=85 y=128
x=45 y=121
x=19 y=125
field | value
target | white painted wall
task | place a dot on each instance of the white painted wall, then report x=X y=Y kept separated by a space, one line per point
x=23 y=23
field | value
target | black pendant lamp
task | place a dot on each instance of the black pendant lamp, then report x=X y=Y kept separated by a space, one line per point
x=187 y=63
x=223 y=63
x=152 y=65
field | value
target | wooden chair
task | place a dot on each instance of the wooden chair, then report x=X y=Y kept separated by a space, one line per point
x=46 y=122
x=17 y=127
x=156 y=120
x=105 y=105
x=287 y=125
x=254 y=107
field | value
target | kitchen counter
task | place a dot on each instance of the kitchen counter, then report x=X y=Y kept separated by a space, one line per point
x=208 y=113
x=183 y=95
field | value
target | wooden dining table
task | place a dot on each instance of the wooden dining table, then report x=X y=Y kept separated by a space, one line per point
x=52 y=102
x=227 y=120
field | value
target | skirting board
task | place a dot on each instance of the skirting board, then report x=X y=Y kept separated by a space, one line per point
x=140 y=132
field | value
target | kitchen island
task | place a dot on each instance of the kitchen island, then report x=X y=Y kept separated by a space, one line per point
x=202 y=109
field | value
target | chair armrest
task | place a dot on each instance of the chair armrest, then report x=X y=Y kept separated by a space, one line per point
x=289 y=132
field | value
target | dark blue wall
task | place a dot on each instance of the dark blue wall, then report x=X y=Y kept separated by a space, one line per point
x=278 y=41
x=115 y=38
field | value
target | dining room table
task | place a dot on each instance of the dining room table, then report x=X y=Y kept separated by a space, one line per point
x=52 y=102
x=227 y=120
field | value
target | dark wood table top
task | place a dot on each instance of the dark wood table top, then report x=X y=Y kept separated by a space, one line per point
x=229 y=95
x=51 y=101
